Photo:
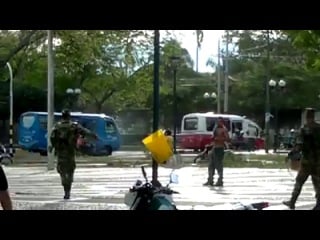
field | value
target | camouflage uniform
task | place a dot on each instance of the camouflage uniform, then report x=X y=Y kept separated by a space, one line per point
x=65 y=150
x=309 y=140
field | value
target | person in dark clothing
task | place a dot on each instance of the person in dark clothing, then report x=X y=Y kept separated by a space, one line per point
x=4 y=192
x=309 y=142
x=216 y=155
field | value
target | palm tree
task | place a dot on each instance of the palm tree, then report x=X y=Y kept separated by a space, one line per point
x=199 y=35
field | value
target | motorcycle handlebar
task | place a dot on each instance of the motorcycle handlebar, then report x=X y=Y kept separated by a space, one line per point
x=164 y=190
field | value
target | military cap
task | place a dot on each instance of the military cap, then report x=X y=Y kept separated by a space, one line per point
x=65 y=113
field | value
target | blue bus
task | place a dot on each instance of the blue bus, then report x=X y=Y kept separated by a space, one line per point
x=32 y=133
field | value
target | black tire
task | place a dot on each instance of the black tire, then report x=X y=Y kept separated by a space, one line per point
x=109 y=150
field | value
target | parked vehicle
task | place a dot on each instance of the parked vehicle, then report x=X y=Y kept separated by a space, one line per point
x=196 y=130
x=148 y=197
x=32 y=133
x=145 y=196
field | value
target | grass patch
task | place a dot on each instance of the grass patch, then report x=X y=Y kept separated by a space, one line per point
x=252 y=161
x=132 y=148
x=251 y=164
x=231 y=160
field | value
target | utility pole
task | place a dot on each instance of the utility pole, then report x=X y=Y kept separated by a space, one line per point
x=174 y=63
x=11 y=149
x=219 y=80
x=197 y=58
x=156 y=99
x=197 y=51
x=226 y=81
x=50 y=100
x=267 y=88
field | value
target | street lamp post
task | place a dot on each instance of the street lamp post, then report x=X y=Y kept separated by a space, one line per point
x=267 y=105
x=156 y=99
x=174 y=63
x=73 y=93
x=207 y=95
x=276 y=86
x=50 y=96
x=11 y=111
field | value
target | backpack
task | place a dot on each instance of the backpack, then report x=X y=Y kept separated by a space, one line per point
x=65 y=135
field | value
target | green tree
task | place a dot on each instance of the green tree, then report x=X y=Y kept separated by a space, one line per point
x=307 y=41
x=188 y=90
x=247 y=66
x=100 y=62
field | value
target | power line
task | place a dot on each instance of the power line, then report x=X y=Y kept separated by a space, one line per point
x=255 y=56
x=254 y=48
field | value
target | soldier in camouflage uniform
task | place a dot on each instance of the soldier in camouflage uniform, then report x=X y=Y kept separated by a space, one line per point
x=309 y=142
x=63 y=139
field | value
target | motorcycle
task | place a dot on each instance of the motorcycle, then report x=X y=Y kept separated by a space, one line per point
x=5 y=157
x=148 y=197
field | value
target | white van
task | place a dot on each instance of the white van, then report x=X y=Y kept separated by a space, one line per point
x=197 y=128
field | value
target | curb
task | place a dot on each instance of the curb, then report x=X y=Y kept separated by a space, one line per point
x=108 y=161
x=138 y=159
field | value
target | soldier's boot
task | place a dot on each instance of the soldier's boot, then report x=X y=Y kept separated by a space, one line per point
x=67 y=189
x=219 y=182
x=209 y=182
x=220 y=174
x=292 y=202
x=289 y=204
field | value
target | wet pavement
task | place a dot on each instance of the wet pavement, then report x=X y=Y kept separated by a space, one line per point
x=189 y=153
x=24 y=156
x=103 y=188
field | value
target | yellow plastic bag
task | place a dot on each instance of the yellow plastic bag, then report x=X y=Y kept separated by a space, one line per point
x=158 y=146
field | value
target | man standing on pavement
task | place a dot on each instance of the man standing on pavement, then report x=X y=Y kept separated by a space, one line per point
x=309 y=142
x=216 y=155
x=64 y=139
x=4 y=192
